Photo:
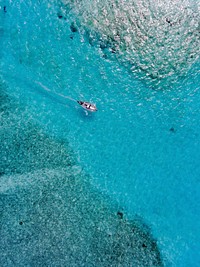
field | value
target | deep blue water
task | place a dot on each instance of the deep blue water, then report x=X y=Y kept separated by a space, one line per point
x=142 y=147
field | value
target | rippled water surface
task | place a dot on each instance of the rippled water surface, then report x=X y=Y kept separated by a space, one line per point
x=119 y=187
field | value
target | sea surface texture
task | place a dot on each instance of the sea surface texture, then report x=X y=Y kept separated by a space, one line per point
x=118 y=187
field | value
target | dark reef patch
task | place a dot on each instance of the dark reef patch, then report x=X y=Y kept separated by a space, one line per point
x=172 y=130
x=61 y=16
x=73 y=27
x=120 y=214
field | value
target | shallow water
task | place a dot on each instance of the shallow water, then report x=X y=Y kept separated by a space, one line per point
x=142 y=146
x=50 y=213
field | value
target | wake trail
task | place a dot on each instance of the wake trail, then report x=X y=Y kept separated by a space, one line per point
x=85 y=105
x=53 y=93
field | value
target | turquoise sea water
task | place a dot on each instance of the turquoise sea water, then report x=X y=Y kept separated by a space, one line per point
x=141 y=148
